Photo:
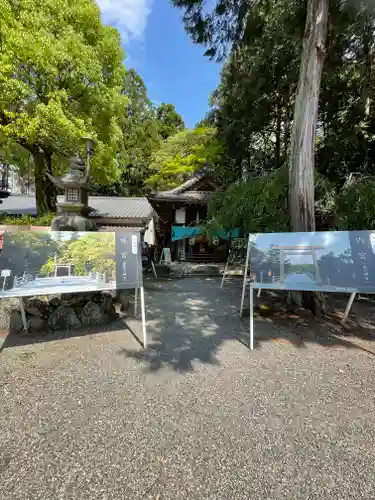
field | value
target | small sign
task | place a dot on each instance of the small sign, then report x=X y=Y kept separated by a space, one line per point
x=5 y=273
x=372 y=242
x=134 y=244
x=128 y=260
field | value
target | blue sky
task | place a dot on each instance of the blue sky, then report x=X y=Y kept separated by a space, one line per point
x=336 y=241
x=173 y=68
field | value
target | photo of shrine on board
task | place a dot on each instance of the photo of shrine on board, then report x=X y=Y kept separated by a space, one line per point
x=342 y=261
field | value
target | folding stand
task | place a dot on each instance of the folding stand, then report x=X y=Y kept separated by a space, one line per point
x=227 y=265
x=143 y=312
x=348 y=307
x=154 y=270
x=165 y=256
x=251 y=339
x=245 y=276
x=225 y=272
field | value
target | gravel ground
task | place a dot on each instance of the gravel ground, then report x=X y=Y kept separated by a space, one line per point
x=196 y=415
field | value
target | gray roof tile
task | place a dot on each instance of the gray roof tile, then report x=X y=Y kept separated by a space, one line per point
x=188 y=196
x=184 y=187
x=103 y=206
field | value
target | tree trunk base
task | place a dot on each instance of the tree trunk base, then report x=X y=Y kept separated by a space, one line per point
x=312 y=301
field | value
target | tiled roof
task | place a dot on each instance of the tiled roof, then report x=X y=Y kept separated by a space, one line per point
x=186 y=192
x=184 y=187
x=103 y=206
x=189 y=196
x=119 y=229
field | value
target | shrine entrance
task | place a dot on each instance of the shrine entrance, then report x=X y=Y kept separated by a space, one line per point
x=200 y=248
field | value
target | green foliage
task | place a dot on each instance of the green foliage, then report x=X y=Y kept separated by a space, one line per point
x=258 y=205
x=93 y=252
x=355 y=206
x=14 y=154
x=144 y=130
x=27 y=250
x=169 y=121
x=261 y=203
x=218 y=27
x=61 y=76
x=183 y=154
x=141 y=137
x=140 y=131
x=26 y=220
x=253 y=105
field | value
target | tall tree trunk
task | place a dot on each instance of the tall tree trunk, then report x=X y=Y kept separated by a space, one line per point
x=301 y=164
x=287 y=127
x=45 y=192
x=366 y=85
x=278 y=135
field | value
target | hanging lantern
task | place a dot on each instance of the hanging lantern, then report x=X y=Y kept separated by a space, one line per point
x=215 y=240
x=191 y=241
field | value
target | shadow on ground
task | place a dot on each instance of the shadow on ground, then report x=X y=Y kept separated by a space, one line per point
x=301 y=327
x=120 y=324
x=189 y=320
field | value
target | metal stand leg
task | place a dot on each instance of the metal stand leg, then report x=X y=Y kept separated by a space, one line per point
x=258 y=294
x=136 y=302
x=251 y=342
x=143 y=317
x=245 y=276
x=154 y=270
x=243 y=295
x=23 y=314
x=225 y=272
x=348 y=307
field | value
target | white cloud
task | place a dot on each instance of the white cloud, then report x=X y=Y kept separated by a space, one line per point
x=129 y=16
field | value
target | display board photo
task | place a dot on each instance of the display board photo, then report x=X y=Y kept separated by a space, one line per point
x=48 y=262
x=342 y=261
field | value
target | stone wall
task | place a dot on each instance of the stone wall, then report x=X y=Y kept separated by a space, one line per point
x=60 y=312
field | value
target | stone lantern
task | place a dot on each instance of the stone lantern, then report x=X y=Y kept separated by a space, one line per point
x=72 y=213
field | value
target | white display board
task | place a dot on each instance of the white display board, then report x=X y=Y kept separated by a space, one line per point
x=325 y=262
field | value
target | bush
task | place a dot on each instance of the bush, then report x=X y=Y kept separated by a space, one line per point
x=258 y=205
x=26 y=220
x=261 y=204
x=355 y=206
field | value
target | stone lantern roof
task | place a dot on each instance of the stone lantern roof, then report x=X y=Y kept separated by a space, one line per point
x=75 y=178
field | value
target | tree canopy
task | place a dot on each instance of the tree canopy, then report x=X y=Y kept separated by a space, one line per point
x=140 y=132
x=252 y=108
x=169 y=121
x=61 y=76
x=183 y=154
